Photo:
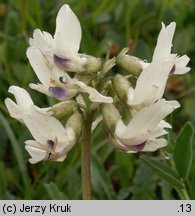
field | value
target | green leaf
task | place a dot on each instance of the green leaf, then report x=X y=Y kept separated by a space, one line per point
x=193 y=188
x=163 y=171
x=99 y=175
x=183 y=152
x=12 y=23
x=144 y=180
x=166 y=190
x=125 y=167
x=18 y=153
x=124 y=193
x=54 y=191
x=6 y=180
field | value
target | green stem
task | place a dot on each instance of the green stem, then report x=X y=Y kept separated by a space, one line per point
x=183 y=194
x=85 y=157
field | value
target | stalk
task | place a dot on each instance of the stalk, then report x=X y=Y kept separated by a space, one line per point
x=86 y=158
x=183 y=194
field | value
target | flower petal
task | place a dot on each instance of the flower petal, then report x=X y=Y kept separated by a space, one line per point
x=48 y=74
x=23 y=99
x=61 y=158
x=68 y=32
x=40 y=88
x=13 y=109
x=163 y=123
x=50 y=128
x=181 y=65
x=43 y=41
x=149 y=117
x=116 y=142
x=159 y=130
x=96 y=122
x=35 y=144
x=120 y=128
x=144 y=122
x=164 y=41
x=151 y=83
x=36 y=154
x=68 y=143
x=94 y=95
x=130 y=94
x=154 y=144
x=39 y=65
x=58 y=92
x=62 y=63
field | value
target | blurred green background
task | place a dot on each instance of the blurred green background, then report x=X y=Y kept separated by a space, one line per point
x=132 y=23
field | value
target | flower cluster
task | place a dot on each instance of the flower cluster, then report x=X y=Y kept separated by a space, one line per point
x=80 y=84
x=145 y=103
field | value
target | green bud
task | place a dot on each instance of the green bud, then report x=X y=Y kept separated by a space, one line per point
x=75 y=122
x=92 y=65
x=129 y=63
x=121 y=86
x=63 y=109
x=110 y=115
x=108 y=65
x=86 y=78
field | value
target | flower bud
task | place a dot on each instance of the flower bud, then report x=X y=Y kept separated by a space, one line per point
x=92 y=64
x=75 y=122
x=85 y=78
x=63 y=109
x=131 y=64
x=81 y=64
x=110 y=115
x=108 y=65
x=121 y=86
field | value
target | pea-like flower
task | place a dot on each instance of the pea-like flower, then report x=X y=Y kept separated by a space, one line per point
x=51 y=140
x=151 y=83
x=62 y=48
x=144 y=129
x=163 y=50
x=57 y=83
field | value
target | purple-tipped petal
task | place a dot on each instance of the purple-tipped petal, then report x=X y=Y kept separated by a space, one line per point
x=61 y=62
x=137 y=148
x=50 y=144
x=58 y=92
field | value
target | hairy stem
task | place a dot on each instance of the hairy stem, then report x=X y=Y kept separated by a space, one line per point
x=85 y=157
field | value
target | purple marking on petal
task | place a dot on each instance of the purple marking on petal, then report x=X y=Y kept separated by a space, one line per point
x=137 y=147
x=172 y=70
x=63 y=79
x=58 y=92
x=50 y=143
x=61 y=62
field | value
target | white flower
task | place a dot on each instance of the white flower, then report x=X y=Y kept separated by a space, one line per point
x=54 y=82
x=144 y=129
x=152 y=80
x=57 y=83
x=151 y=83
x=62 y=49
x=163 y=50
x=52 y=140
x=24 y=103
